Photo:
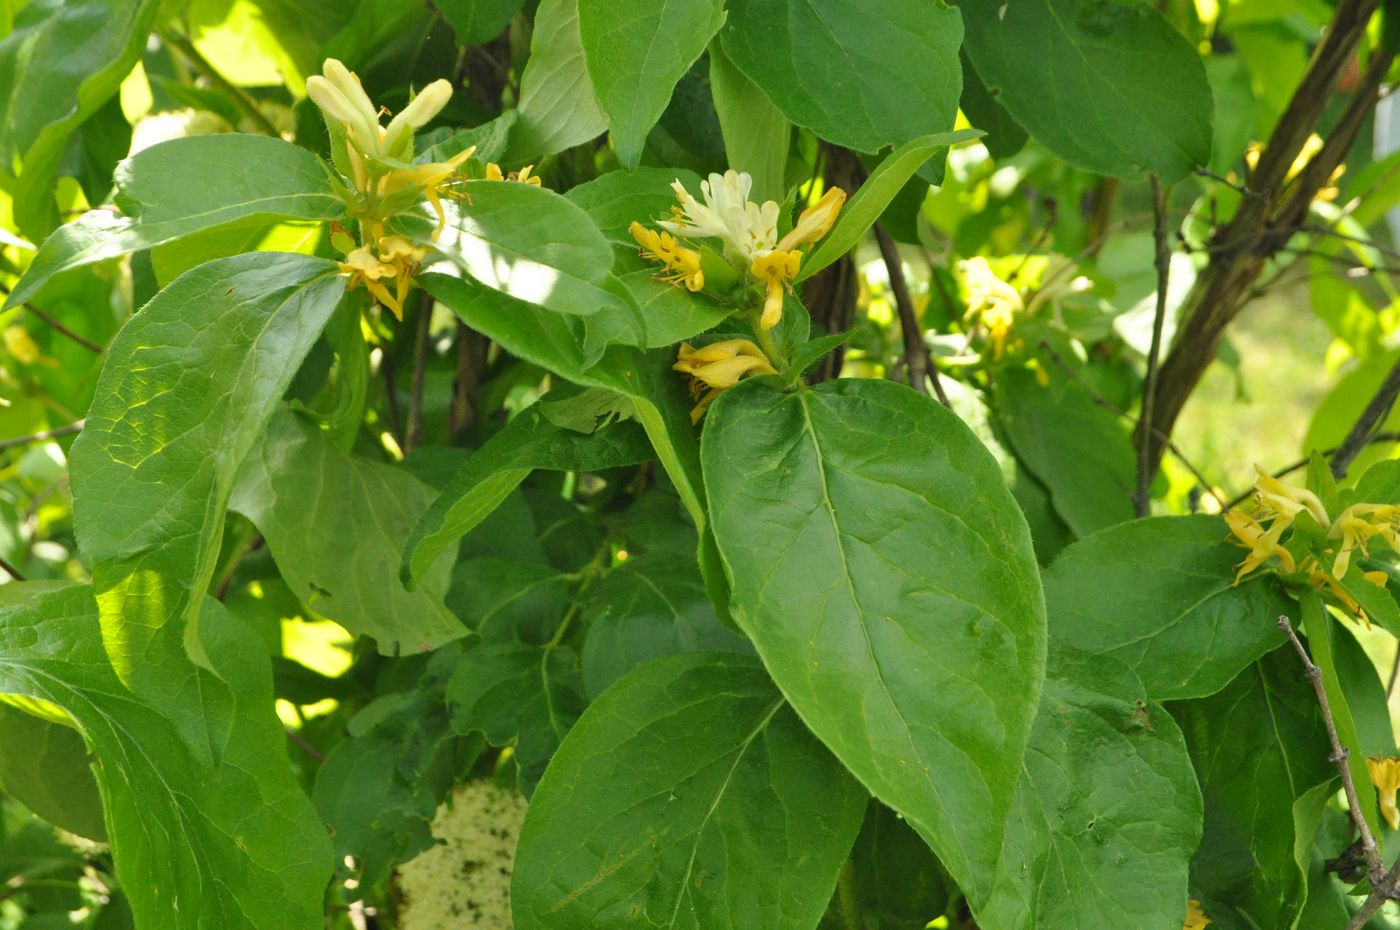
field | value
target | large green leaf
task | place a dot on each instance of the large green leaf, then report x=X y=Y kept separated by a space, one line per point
x=688 y=796
x=518 y=694
x=616 y=199
x=1108 y=790
x=187 y=388
x=529 y=441
x=1080 y=451
x=478 y=21
x=636 y=51
x=44 y=766
x=538 y=247
x=205 y=817
x=557 y=106
x=875 y=195
x=863 y=75
x=63 y=60
x=1159 y=595
x=887 y=579
x=1261 y=755
x=336 y=525
x=186 y=186
x=756 y=134
x=1111 y=87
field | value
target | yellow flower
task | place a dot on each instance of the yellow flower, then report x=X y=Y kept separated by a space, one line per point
x=1376 y=578
x=430 y=178
x=775 y=270
x=1385 y=773
x=747 y=229
x=991 y=301
x=339 y=94
x=1262 y=544
x=493 y=172
x=718 y=366
x=683 y=263
x=1196 y=918
x=20 y=345
x=364 y=268
x=1285 y=501
x=816 y=221
x=1356 y=526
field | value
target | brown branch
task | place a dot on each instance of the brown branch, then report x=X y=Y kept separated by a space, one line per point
x=57 y=326
x=11 y=570
x=1162 y=260
x=1374 y=865
x=916 y=359
x=54 y=433
x=304 y=745
x=1261 y=224
x=1371 y=419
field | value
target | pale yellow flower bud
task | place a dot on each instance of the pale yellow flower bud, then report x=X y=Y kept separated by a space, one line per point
x=816 y=221
x=422 y=108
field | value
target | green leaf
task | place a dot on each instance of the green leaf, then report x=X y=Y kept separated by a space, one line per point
x=527 y=442
x=843 y=70
x=1379 y=484
x=636 y=51
x=557 y=107
x=1261 y=755
x=886 y=577
x=188 y=385
x=1077 y=449
x=338 y=548
x=614 y=200
x=44 y=766
x=1107 y=86
x=671 y=313
x=520 y=694
x=1159 y=595
x=380 y=787
x=1108 y=790
x=63 y=60
x=900 y=881
x=536 y=246
x=809 y=353
x=652 y=605
x=1004 y=136
x=478 y=21
x=756 y=134
x=186 y=186
x=688 y=797
x=204 y=814
x=875 y=194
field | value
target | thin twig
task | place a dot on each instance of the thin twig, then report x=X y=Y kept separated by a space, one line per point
x=1370 y=420
x=11 y=570
x=301 y=743
x=246 y=104
x=1117 y=411
x=54 y=433
x=57 y=326
x=1142 y=500
x=1374 y=864
x=1303 y=463
x=917 y=358
x=1394 y=673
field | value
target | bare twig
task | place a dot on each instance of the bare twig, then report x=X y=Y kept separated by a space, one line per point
x=305 y=746
x=57 y=326
x=1370 y=420
x=1141 y=500
x=11 y=570
x=917 y=358
x=245 y=104
x=47 y=434
x=1374 y=865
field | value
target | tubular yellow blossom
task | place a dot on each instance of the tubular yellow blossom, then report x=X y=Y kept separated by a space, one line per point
x=1286 y=501
x=422 y=108
x=1376 y=578
x=1262 y=544
x=493 y=172
x=1355 y=528
x=683 y=263
x=1196 y=918
x=718 y=366
x=364 y=268
x=339 y=93
x=1385 y=773
x=430 y=178
x=775 y=270
x=525 y=177
x=991 y=301
x=816 y=221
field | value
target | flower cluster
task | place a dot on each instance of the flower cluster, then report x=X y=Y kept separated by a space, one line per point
x=1322 y=555
x=718 y=366
x=393 y=258
x=748 y=235
x=994 y=305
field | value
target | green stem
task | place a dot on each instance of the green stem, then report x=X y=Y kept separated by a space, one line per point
x=848 y=898
x=246 y=104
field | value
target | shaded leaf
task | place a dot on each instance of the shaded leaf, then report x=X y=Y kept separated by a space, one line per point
x=557 y=106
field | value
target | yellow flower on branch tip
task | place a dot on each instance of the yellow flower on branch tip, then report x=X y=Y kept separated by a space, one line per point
x=1196 y=918
x=493 y=172
x=991 y=301
x=683 y=263
x=420 y=110
x=1262 y=544
x=337 y=91
x=431 y=178
x=775 y=270
x=816 y=221
x=1385 y=774
x=1355 y=528
x=718 y=366
x=1285 y=501
x=364 y=268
